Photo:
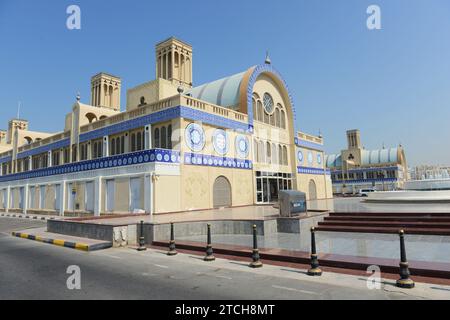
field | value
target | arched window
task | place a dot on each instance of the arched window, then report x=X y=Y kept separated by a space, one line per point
x=274 y=153
x=283 y=119
x=272 y=119
x=156 y=137
x=118 y=145
x=95 y=151
x=133 y=142
x=163 y=138
x=277 y=117
x=113 y=146
x=266 y=117
x=122 y=145
x=91 y=117
x=169 y=137
x=261 y=152
x=255 y=115
x=260 y=111
x=268 y=153
x=285 y=155
x=280 y=155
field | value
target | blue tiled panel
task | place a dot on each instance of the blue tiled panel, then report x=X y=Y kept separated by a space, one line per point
x=214 y=161
x=308 y=144
x=309 y=170
x=366 y=170
x=256 y=72
x=366 y=180
x=165 y=115
x=146 y=156
x=212 y=119
x=159 y=116
x=5 y=159
x=55 y=145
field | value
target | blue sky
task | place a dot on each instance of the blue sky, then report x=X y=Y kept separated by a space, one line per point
x=393 y=84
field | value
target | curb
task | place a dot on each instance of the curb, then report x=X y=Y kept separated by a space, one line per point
x=63 y=243
x=21 y=216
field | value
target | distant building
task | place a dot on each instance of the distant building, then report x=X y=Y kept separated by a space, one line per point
x=357 y=168
x=427 y=177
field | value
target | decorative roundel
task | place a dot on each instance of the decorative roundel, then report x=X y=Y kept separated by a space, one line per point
x=268 y=102
x=319 y=158
x=300 y=156
x=310 y=158
x=220 y=141
x=242 y=146
x=195 y=137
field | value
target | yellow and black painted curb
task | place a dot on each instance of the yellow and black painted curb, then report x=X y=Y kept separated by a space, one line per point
x=62 y=243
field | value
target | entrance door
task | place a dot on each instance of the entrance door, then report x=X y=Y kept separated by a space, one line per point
x=110 y=190
x=312 y=190
x=221 y=192
x=273 y=190
x=89 y=196
x=135 y=194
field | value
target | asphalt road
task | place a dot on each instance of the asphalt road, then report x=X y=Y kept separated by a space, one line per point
x=34 y=270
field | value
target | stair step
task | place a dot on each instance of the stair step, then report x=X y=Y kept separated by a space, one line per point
x=393 y=218
x=396 y=224
x=408 y=230
x=384 y=214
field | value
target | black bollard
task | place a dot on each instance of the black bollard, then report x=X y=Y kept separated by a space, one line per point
x=141 y=238
x=314 y=270
x=172 y=250
x=256 y=263
x=405 y=281
x=209 y=250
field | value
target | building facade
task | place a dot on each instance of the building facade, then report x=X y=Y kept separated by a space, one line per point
x=176 y=147
x=357 y=168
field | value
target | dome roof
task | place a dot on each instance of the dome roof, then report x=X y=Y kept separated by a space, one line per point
x=368 y=157
x=333 y=160
x=224 y=92
x=379 y=156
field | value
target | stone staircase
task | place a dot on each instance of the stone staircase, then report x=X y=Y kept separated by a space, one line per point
x=436 y=223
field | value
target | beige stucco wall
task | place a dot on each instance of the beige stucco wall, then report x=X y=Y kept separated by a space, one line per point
x=167 y=194
x=197 y=186
x=323 y=185
x=152 y=91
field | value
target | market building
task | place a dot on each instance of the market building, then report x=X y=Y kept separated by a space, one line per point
x=356 y=168
x=176 y=147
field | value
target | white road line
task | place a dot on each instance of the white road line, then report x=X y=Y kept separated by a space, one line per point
x=224 y=277
x=293 y=289
x=111 y=256
x=161 y=266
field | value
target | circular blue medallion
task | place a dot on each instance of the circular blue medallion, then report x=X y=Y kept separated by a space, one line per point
x=220 y=141
x=195 y=137
x=242 y=146
x=299 y=156
x=310 y=158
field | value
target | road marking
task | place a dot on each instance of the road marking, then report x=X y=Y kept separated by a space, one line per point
x=110 y=256
x=224 y=277
x=161 y=266
x=293 y=289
